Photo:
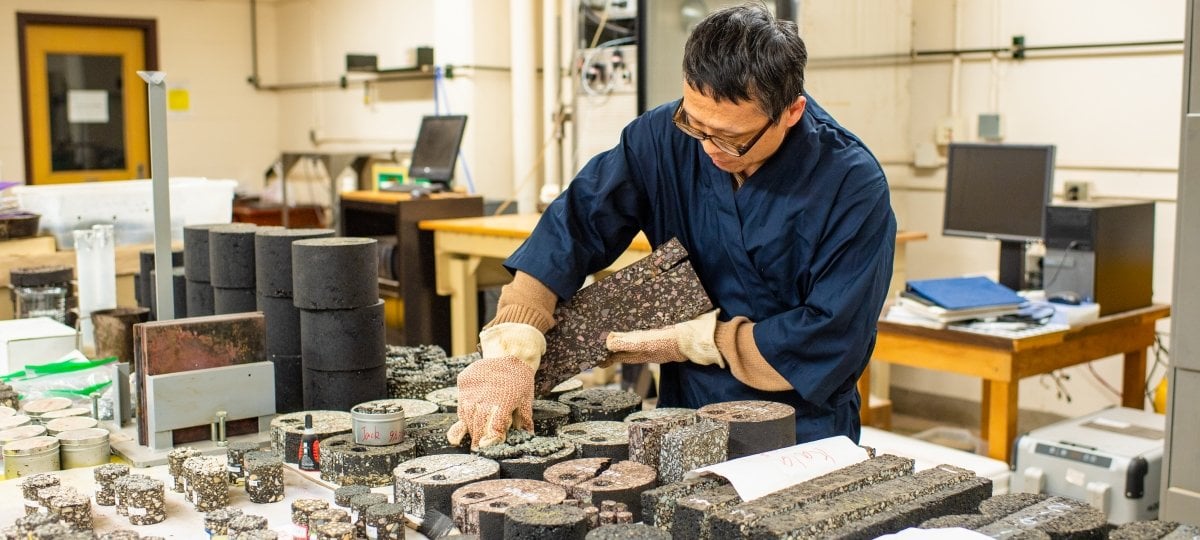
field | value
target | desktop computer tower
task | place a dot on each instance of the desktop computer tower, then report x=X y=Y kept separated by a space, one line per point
x=1100 y=252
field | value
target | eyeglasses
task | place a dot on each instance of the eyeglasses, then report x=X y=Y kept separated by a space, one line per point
x=736 y=150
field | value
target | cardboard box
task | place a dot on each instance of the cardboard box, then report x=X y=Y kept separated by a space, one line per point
x=35 y=341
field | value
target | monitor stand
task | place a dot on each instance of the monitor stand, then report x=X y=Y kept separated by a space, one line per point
x=1012 y=264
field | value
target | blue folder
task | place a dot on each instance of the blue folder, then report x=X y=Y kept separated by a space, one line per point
x=964 y=292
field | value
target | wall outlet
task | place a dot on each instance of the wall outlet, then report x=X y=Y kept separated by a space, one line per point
x=1077 y=190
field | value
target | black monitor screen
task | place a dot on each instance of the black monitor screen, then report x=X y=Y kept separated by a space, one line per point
x=437 y=148
x=998 y=191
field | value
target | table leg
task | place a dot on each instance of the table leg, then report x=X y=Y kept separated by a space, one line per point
x=464 y=307
x=1133 y=381
x=999 y=417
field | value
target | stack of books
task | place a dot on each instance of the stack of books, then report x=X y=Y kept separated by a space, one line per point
x=938 y=302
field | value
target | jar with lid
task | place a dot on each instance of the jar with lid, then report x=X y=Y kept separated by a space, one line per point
x=42 y=291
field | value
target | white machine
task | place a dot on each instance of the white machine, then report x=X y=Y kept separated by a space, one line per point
x=1111 y=459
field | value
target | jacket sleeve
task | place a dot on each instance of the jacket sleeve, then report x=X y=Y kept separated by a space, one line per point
x=823 y=345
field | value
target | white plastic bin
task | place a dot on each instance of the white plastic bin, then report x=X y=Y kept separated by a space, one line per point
x=127 y=206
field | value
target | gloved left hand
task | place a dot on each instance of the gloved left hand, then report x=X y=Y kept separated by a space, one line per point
x=693 y=340
x=496 y=392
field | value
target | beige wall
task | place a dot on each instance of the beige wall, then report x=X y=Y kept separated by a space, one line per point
x=1113 y=114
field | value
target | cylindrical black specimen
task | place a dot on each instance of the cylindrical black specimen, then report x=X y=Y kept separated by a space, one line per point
x=335 y=273
x=273 y=258
x=344 y=339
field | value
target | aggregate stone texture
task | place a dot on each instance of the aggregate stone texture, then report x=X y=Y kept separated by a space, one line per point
x=235 y=452
x=754 y=426
x=548 y=416
x=207 y=481
x=342 y=495
x=327 y=515
x=1009 y=503
x=415 y=371
x=264 y=476
x=345 y=462
x=76 y=509
x=429 y=432
x=147 y=502
x=658 y=504
x=200 y=301
x=287 y=429
x=694 y=513
x=216 y=522
x=964 y=521
x=175 y=458
x=121 y=487
x=106 y=476
x=273 y=258
x=30 y=487
x=818 y=518
x=647 y=428
x=1059 y=517
x=283 y=324
x=659 y=290
x=257 y=534
x=426 y=483
x=691 y=447
x=195 y=251
x=545 y=522
x=228 y=300
x=289 y=382
x=341 y=390
x=359 y=505
x=737 y=522
x=247 y=522
x=445 y=398
x=385 y=522
x=336 y=531
x=524 y=455
x=593 y=404
x=949 y=500
x=479 y=508
x=231 y=256
x=344 y=339
x=190 y=344
x=412 y=408
x=1153 y=530
x=46 y=495
x=120 y=535
x=628 y=531
x=51 y=531
x=593 y=480
x=335 y=273
x=26 y=524
x=598 y=439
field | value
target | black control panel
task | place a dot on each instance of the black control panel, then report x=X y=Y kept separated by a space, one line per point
x=1073 y=455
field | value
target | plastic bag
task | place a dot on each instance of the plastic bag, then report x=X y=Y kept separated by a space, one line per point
x=74 y=377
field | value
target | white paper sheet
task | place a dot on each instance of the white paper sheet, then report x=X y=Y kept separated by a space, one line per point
x=760 y=474
x=87 y=106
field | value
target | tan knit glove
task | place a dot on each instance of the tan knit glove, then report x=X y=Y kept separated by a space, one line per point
x=693 y=340
x=496 y=392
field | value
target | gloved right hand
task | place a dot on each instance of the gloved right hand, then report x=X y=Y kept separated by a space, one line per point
x=496 y=392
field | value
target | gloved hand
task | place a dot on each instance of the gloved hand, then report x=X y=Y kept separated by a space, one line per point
x=692 y=340
x=496 y=391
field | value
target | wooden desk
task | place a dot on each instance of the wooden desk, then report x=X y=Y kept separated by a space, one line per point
x=468 y=253
x=1003 y=362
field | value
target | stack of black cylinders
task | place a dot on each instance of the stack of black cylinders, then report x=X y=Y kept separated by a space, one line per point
x=231 y=263
x=143 y=289
x=196 y=269
x=342 y=342
x=273 y=282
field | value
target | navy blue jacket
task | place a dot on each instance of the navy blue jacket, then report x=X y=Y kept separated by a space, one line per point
x=804 y=249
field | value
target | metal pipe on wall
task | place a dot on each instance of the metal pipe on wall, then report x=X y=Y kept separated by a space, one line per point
x=551 y=92
x=524 y=102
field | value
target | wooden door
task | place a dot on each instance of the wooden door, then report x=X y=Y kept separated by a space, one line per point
x=85 y=109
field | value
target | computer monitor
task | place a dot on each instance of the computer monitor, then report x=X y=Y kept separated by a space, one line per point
x=999 y=192
x=436 y=150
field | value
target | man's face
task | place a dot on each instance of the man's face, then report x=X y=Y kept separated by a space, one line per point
x=737 y=124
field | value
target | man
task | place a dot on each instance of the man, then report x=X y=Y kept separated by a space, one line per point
x=784 y=213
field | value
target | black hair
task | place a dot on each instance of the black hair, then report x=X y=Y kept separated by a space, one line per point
x=743 y=53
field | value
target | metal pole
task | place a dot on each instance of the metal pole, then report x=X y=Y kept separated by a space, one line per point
x=164 y=282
